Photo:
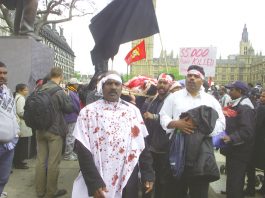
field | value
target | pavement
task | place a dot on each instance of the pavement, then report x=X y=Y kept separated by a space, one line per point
x=219 y=185
x=21 y=182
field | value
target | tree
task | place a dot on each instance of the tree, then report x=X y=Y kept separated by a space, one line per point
x=77 y=75
x=51 y=11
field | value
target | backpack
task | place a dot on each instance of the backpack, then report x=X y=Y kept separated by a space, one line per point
x=39 y=112
x=177 y=155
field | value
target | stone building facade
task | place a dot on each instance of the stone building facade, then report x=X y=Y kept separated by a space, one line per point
x=246 y=66
x=64 y=55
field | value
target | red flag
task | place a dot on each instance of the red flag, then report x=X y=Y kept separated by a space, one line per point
x=137 y=53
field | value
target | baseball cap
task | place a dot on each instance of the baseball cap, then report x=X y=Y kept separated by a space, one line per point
x=237 y=84
x=73 y=81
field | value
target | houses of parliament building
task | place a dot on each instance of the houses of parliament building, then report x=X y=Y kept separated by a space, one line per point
x=246 y=66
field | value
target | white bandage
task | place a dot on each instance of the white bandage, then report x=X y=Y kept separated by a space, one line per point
x=108 y=77
x=196 y=72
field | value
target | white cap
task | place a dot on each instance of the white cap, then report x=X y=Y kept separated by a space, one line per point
x=73 y=81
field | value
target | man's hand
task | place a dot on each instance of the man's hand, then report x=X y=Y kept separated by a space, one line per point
x=148 y=115
x=148 y=186
x=185 y=125
x=226 y=139
x=100 y=193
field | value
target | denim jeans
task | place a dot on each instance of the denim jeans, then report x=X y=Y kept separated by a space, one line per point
x=6 y=158
x=69 y=140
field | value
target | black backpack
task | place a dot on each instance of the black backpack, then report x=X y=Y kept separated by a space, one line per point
x=39 y=111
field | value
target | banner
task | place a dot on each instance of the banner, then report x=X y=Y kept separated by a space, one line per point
x=136 y=54
x=120 y=22
x=202 y=56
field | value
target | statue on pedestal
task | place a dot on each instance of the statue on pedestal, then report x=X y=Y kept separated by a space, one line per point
x=26 y=11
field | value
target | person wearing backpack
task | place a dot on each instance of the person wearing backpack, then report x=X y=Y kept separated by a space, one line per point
x=240 y=129
x=50 y=140
x=8 y=128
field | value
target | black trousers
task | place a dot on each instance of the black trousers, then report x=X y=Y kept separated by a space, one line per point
x=194 y=187
x=251 y=173
x=251 y=177
x=165 y=185
x=131 y=189
x=21 y=150
x=198 y=188
x=236 y=170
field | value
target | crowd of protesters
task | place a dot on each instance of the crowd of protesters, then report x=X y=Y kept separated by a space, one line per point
x=122 y=134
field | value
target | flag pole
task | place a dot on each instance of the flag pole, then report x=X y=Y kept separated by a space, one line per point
x=111 y=64
x=163 y=51
x=127 y=72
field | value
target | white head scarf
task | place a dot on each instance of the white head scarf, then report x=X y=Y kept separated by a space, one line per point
x=196 y=72
x=165 y=77
x=103 y=80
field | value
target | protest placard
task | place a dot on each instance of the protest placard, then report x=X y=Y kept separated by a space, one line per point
x=202 y=56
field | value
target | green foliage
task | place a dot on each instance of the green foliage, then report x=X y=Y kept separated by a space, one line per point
x=77 y=75
x=126 y=77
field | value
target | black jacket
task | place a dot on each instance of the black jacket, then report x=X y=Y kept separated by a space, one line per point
x=200 y=160
x=259 y=148
x=241 y=130
x=158 y=139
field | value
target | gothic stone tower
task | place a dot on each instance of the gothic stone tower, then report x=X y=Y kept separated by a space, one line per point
x=245 y=45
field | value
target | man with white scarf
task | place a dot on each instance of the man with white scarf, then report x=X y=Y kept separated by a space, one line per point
x=110 y=142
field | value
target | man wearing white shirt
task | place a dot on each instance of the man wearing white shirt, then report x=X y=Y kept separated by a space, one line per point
x=179 y=102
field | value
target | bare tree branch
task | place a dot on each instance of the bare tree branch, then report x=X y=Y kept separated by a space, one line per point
x=54 y=11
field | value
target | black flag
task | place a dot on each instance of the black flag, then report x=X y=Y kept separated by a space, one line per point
x=120 y=22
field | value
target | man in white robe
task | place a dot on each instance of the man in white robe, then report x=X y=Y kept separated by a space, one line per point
x=110 y=142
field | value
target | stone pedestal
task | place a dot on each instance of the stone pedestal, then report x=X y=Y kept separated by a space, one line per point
x=26 y=60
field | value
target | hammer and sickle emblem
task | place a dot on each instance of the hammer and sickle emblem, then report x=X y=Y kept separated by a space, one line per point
x=135 y=53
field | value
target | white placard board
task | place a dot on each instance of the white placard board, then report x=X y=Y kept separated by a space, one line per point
x=202 y=56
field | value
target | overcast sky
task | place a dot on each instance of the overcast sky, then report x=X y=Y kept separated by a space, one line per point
x=184 y=23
